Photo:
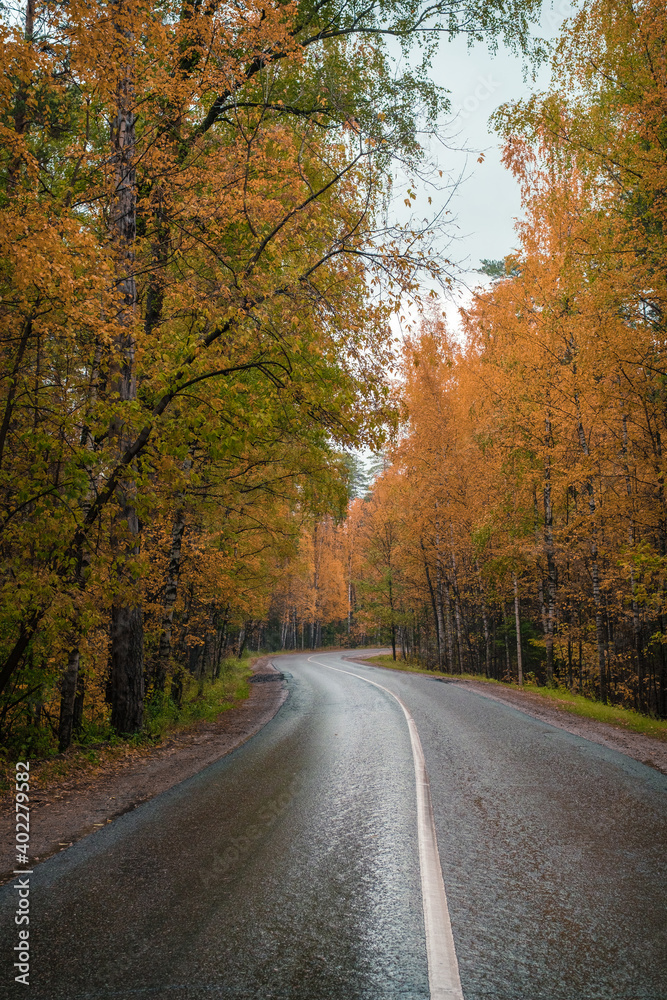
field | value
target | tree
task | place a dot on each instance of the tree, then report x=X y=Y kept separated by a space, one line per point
x=216 y=255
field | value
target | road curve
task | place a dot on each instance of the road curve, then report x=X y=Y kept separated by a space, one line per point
x=290 y=869
x=553 y=850
x=443 y=971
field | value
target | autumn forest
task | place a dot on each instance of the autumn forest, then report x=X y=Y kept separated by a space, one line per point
x=199 y=269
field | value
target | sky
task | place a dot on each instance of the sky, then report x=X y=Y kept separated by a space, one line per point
x=486 y=201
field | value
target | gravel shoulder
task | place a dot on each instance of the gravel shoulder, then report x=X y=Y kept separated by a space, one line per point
x=645 y=749
x=72 y=809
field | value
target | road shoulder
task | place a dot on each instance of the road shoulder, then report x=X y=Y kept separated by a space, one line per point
x=640 y=747
x=72 y=809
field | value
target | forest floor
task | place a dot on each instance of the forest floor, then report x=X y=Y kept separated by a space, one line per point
x=67 y=809
x=646 y=748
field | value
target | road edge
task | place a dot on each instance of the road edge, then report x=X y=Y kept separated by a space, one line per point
x=55 y=827
x=638 y=746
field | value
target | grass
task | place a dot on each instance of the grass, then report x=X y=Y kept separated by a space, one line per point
x=561 y=697
x=97 y=746
x=231 y=686
x=417 y=667
x=614 y=715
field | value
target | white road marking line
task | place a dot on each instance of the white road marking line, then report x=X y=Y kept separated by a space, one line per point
x=443 y=967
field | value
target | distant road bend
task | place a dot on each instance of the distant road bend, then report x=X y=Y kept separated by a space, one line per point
x=309 y=863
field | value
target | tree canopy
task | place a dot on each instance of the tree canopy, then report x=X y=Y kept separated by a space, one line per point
x=197 y=274
x=529 y=472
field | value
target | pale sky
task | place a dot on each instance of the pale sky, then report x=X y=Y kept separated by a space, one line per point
x=487 y=201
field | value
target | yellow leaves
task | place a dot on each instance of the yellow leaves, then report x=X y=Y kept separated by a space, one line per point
x=239 y=313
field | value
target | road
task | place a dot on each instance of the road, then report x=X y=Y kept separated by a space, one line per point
x=290 y=869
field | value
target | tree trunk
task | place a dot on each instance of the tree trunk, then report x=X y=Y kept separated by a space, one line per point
x=439 y=616
x=449 y=629
x=545 y=627
x=570 y=675
x=494 y=652
x=459 y=631
x=552 y=571
x=242 y=641
x=485 y=624
x=599 y=625
x=595 y=569
x=68 y=687
x=21 y=119
x=437 y=610
x=517 y=620
x=507 y=645
x=177 y=686
x=457 y=609
x=78 y=703
x=201 y=666
x=127 y=648
x=222 y=642
x=127 y=674
x=127 y=637
x=393 y=625
x=72 y=705
x=636 y=624
x=13 y=382
x=170 y=595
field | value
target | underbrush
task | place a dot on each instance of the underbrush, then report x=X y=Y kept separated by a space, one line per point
x=561 y=697
x=96 y=745
x=614 y=715
x=163 y=715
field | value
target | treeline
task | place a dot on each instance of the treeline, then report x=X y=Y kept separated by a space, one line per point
x=522 y=524
x=196 y=276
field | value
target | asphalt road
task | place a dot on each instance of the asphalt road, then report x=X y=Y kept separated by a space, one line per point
x=290 y=868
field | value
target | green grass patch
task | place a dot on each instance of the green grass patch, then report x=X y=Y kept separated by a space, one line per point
x=614 y=715
x=417 y=667
x=577 y=704
x=228 y=689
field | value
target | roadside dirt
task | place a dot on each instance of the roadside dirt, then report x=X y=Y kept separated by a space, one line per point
x=646 y=749
x=71 y=809
x=76 y=807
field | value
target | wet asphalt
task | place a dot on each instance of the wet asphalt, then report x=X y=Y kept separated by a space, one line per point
x=289 y=869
